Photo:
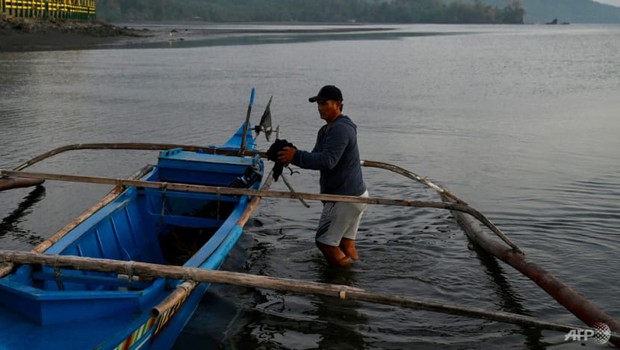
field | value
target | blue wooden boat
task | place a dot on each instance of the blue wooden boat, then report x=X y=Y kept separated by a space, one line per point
x=43 y=307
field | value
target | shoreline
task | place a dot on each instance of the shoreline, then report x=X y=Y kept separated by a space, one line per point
x=18 y=34
x=32 y=34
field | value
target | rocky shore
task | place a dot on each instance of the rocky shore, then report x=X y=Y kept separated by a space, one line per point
x=34 y=34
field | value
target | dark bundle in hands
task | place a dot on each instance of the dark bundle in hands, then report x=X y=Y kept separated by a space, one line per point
x=272 y=154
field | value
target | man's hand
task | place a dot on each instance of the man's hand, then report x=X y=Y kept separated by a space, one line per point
x=286 y=155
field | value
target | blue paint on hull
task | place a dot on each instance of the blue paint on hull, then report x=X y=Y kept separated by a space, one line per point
x=48 y=308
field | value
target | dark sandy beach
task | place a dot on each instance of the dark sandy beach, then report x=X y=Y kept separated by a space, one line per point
x=31 y=34
x=28 y=34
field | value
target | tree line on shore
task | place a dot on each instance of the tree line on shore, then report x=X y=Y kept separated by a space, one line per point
x=368 y=11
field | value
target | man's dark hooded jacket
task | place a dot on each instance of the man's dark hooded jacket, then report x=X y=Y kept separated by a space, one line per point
x=336 y=156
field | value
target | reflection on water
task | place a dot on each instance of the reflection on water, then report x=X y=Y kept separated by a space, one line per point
x=10 y=224
x=519 y=121
x=510 y=300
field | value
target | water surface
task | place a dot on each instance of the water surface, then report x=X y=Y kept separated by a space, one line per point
x=519 y=121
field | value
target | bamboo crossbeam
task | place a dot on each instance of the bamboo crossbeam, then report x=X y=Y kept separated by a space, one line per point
x=149 y=270
x=396 y=169
x=162 y=146
x=271 y=194
x=134 y=146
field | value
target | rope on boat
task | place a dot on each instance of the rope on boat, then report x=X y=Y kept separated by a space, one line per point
x=197 y=275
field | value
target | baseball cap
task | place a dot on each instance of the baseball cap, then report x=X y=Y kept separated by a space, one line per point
x=327 y=92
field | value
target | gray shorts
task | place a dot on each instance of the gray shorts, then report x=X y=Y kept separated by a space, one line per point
x=339 y=220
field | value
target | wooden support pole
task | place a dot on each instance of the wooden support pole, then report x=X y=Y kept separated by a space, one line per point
x=272 y=194
x=149 y=270
x=233 y=191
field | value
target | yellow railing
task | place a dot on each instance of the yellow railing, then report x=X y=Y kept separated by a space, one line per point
x=71 y=9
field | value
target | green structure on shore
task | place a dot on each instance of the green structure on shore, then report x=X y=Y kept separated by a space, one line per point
x=69 y=9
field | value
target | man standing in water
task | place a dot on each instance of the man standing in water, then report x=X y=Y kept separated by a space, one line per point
x=336 y=156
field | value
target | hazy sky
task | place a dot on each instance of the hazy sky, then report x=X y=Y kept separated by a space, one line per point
x=610 y=2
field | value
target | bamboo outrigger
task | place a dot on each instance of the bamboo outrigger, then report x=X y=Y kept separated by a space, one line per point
x=504 y=250
x=8 y=182
x=195 y=275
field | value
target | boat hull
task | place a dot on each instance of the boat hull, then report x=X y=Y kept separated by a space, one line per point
x=43 y=307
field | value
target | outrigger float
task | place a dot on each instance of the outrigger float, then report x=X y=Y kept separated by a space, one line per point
x=130 y=271
x=9 y=182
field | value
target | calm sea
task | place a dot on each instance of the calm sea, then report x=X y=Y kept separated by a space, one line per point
x=522 y=122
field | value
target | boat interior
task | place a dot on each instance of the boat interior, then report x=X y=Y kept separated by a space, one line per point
x=142 y=224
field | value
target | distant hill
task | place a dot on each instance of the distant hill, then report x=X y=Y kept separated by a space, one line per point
x=332 y=11
x=373 y=11
x=573 y=11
